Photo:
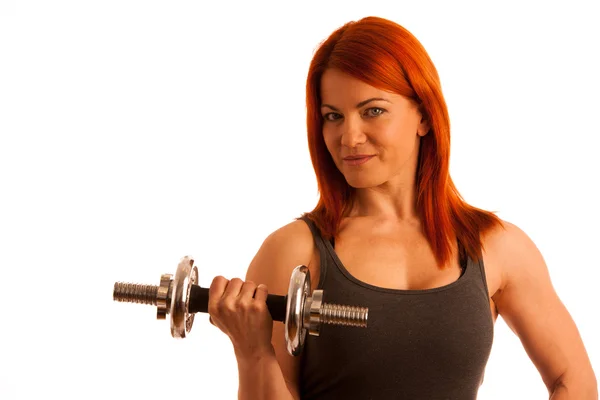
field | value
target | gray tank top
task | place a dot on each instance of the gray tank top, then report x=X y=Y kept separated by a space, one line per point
x=419 y=344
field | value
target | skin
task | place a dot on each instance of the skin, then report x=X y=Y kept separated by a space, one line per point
x=383 y=229
x=390 y=128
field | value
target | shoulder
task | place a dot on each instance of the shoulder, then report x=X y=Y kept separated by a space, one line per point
x=513 y=256
x=282 y=251
x=294 y=236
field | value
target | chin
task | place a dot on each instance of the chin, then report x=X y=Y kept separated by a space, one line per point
x=363 y=182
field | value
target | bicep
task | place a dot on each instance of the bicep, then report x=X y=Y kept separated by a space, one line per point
x=532 y=309
x=280 y=253
x=290 y=365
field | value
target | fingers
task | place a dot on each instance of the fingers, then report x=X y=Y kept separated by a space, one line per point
x=224 y=294
x=261 y=293
x=247 y=292
x=216 y=290
x=215 y=293
x=233 y=288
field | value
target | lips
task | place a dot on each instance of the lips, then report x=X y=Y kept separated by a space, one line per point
x=355 y=160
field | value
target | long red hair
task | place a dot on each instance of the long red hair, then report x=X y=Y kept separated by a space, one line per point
x=385 y=55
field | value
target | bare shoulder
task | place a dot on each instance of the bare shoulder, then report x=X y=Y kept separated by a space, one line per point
x=295 y=234
x=508 y=252
x=500 y=247
x=281 y=251
x=522 y=267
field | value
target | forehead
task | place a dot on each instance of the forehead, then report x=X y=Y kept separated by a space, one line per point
x=339 y=87
x=334 y=80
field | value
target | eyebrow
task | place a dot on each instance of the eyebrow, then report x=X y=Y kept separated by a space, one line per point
x=359 y=105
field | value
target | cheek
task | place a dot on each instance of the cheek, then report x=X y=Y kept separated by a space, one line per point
x=397 y=135
x=395 y=145
x=330 y=141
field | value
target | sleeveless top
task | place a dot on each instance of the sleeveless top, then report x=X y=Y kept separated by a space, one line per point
x=418 y=344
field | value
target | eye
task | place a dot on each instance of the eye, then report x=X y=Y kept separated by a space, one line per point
x=378 y=111
x=328 y=115
x=372 y=112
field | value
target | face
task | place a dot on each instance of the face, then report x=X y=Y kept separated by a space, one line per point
x=361 y=120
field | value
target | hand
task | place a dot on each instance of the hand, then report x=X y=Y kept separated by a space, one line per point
x=239 y=309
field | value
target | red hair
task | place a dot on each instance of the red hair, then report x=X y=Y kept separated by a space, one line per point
x=385 y=55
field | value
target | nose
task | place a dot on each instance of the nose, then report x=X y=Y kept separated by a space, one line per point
x=352 y=134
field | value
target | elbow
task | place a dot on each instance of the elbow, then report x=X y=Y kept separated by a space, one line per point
x=582 y=386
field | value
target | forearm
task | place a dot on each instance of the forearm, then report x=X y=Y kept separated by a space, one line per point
x=262 y=379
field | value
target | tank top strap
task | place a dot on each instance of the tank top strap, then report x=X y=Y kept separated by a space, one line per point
x=481 y=272
x=320 y=243
x=478 y=269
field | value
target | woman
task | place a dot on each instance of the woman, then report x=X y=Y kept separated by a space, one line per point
x=391 y=232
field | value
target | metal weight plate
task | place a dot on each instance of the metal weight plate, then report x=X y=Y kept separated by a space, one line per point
x=185 y=276
x=298 y=292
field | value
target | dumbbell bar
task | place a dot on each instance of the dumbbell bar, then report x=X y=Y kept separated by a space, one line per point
x=181 y=298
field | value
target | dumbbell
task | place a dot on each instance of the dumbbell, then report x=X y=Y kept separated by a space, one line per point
x=181 y=297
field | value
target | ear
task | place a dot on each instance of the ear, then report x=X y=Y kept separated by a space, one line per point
x=424 y=127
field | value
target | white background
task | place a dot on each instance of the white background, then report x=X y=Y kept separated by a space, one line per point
x=133 y=133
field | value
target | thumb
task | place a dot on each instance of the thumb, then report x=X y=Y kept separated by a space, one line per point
x=261 y=292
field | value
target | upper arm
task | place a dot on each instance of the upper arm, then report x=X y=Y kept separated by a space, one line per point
x=281 y=252
x=529 y=304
